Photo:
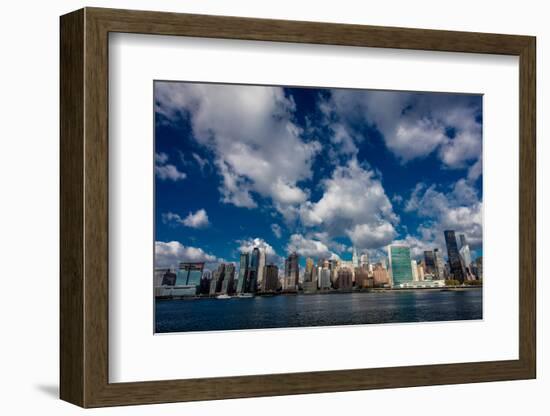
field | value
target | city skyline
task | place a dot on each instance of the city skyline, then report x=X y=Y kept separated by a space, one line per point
x=318 y=172
x=256 y=277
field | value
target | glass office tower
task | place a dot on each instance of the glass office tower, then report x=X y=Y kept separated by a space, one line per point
x=399 y=261
x=453 y=255
x=189 y=274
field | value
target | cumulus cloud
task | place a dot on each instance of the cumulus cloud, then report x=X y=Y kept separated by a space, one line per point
x=247 y=245
x=257 y=146
x=170 y=254
x=198 y=219
x=309 y=248
x=418 y=246
x=368 y=236
x=458 y=209
x=353 y=204
x=413 y=125
x=166 y=171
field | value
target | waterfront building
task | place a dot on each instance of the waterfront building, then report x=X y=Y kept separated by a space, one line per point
x=421 y=274
x=361 y=278
x=189 y=274
x=292 y=270
x=364 y=261
x=252 y=277
x=463 y=241
x=344 y=278
x=355 y=259
x=205 y=282
x=453 y=255
x=243 y=273
x=439 y=265
x=261 y=266
x=213 y=282
x=479 y=267
x=168 y=278
x=228 y=283
x=429 y=262
x=271 y=278
x=465 y=254
x=159 y=276
x=347 y=265
x=308 y=273
x=399 y=260
x=414 y=268
x=324 y=278
x=220 y=277
x=380 y=276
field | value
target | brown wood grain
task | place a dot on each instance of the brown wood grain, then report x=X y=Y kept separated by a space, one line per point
x=84 y=207
x=71 y=213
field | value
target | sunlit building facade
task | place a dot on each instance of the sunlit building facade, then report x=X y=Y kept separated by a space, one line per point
x=399 y=261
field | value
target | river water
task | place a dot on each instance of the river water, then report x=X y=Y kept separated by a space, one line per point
x=285 y=311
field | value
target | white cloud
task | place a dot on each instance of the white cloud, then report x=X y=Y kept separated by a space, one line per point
x=257 y=146
x=368 y=236
x=247 y=245
x=413 y=125
x=276 y=228
x=353 y=202
x=309 y=248
x=169 y=254
x=459 y=209
x=165 y=170
x=198 y=219
x=417 y=246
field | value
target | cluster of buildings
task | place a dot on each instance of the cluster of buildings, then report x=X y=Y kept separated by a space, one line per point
x=256 y=276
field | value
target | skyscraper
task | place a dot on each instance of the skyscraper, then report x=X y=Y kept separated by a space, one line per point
x=252 y=278
x=292 y=270
x=228 y=280
x=261 y=265
x=355 y=258
x=308 y=273
x=361 y=277
x=399 y=261
x=271 y=278
x=344 y=278
x=455 y=263
x=465 y=254
x=243 y=273
x=219 y=275
x=364 y=261
x=439 y=265
x=466 y=257
x=324 y=278
x=429 y=262
x=380 y=276
x=414 y=268
x=463 y=241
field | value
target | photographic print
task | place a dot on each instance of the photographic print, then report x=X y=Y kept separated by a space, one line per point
x=282 y=206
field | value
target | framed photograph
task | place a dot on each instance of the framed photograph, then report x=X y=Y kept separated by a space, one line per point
x=257 y=207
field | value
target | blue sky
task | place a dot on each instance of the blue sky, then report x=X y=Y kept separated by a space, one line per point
x=312 y=170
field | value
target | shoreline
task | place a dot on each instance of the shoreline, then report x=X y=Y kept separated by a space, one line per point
x=322 y=292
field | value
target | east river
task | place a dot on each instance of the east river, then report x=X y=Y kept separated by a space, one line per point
x=283 y=311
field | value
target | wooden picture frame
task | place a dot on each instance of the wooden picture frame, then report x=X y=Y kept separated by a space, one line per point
x=84 y=207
